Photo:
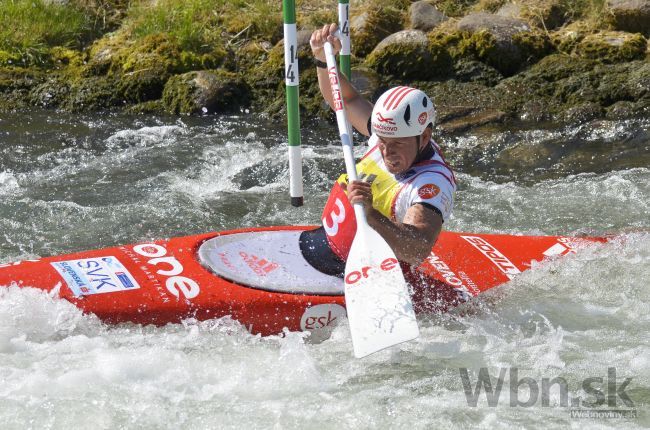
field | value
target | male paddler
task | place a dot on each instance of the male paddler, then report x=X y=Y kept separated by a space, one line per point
x=405 y=185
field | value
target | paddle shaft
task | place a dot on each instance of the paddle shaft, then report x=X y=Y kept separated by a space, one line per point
x=342 y=122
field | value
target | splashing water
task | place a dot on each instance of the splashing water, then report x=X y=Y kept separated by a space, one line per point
x=90 y=182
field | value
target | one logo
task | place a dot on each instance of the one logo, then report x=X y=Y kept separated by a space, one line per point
x=260 y=266
x=382 y=118
x=422 y=118
x=356 y=275
x=172 y=268
x=428 y=191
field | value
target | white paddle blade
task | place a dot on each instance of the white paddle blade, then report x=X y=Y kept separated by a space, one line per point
x=376 y=295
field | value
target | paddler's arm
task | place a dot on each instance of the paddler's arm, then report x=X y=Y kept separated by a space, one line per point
x=358 y=108
x=412 y=239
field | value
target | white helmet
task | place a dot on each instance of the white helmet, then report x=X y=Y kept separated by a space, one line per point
x=402 y=112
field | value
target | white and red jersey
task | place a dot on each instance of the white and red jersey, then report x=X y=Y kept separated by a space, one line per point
x=429 y=181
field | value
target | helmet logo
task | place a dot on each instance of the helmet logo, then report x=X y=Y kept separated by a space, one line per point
x=428 y=191
x=382 y=118
x=422 y=118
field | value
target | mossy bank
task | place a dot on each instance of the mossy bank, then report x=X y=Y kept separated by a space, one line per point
x=482 y=61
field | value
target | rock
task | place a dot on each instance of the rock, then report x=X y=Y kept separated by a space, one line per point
x=372 y=25
x=92 y=94
x=154 y=107
x=510 y=10
x=630 y=15
x=535 y=110
x=500 y=27
x=566 y=39
x=302 y=39
x=524 y=157
x=546 y=14
x=612 y=47
x=582 y=113
x=406 y=37
x=205 y=92
x=142 y=85
x=476 y=71
x=638 y=81
x=504 y=43
x=424 y=16
x=50 y=94
x=623 y=110
x=367 y=82
x=406 y=55
x=475 y=119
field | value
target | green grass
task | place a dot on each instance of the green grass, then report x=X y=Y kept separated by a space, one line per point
x=28 y=28
x=196 y=24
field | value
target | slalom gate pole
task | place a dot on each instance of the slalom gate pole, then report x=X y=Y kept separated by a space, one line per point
x=292 y=81
x=344 y=25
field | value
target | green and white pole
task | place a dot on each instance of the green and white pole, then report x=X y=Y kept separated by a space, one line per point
x=293 y=114
x=344 y=25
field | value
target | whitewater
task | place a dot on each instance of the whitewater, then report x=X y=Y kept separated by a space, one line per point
x=70 y=183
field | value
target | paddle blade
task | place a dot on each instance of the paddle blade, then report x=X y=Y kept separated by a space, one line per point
x=376 y=295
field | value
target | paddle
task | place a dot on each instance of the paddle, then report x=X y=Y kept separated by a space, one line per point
x=376 y=295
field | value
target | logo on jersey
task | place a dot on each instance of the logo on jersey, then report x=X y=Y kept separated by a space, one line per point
x=422 y=118
x=428 y=191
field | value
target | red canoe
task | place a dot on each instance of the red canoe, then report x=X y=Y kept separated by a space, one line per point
x=258 y=277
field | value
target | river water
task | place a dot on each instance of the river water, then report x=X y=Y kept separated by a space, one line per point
x=70 y=183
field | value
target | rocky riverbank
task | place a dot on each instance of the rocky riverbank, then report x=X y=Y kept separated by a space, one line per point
x=482 y=61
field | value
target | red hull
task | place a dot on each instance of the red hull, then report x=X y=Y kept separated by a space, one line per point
x=173 y=285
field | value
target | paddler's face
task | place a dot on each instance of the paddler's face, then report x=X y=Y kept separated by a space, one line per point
x=399 y=153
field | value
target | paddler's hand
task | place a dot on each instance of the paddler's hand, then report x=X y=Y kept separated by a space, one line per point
x=360 y=192
x=320 y=36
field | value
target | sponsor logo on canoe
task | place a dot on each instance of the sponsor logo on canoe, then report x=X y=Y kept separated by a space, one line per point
x=226 y=261
x=494 y=255
x=428 y=191
x=95 y=275
x=322 y=316
x=564 y=246
x=452 y=278
x=355 y=276
x=260 y=266
x=170 y=267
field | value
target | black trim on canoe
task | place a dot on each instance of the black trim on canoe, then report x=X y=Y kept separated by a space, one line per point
x=317 y=252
